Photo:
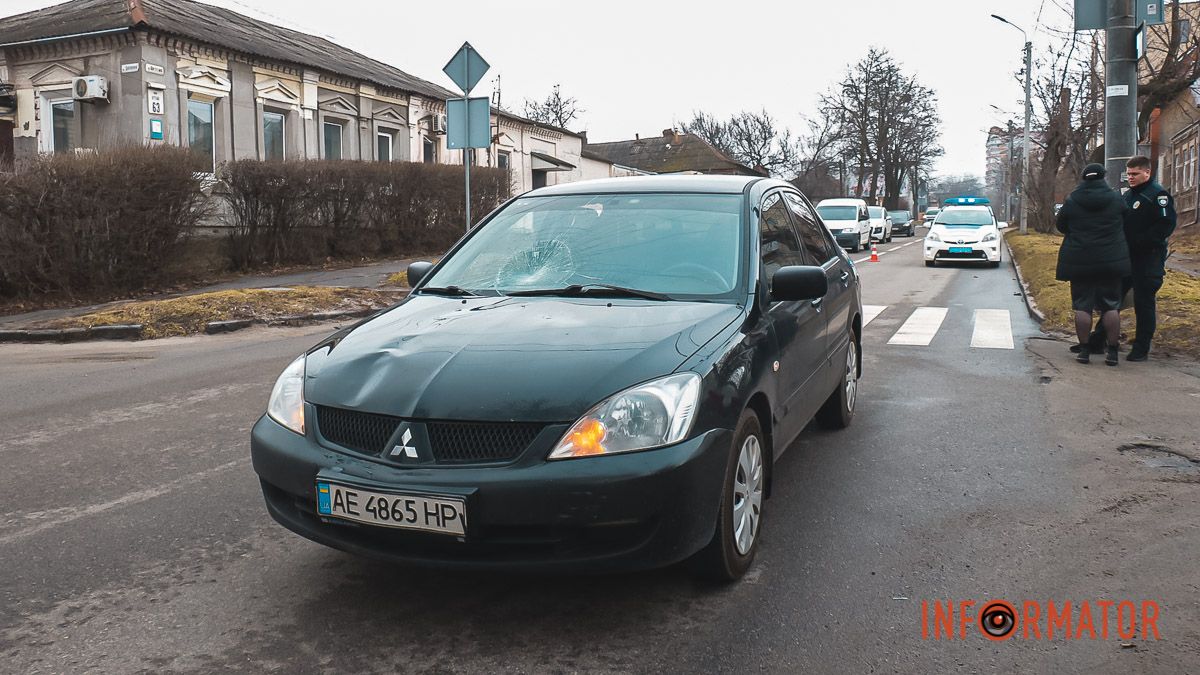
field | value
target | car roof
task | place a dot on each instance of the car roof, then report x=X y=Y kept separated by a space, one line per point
x=672 y=183
x=842 y=201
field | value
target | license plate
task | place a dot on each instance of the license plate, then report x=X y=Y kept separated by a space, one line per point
x=447 y=515
x=961 y=249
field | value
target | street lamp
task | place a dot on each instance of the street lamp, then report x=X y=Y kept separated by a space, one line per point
x=1028 y=111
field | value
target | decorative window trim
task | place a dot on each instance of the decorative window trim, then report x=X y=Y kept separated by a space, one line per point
x=203 y=80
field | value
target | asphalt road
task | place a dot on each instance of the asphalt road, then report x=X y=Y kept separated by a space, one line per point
x=133 y=535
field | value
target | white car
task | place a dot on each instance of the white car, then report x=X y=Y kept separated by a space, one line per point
x=963 y=234
x=881 y=223
x=848 y=222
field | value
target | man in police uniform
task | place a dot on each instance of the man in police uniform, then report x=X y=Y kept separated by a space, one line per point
x=1150 y=220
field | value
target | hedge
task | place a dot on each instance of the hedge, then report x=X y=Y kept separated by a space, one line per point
x=303 y=211
x=115 y=221
x=79 y=223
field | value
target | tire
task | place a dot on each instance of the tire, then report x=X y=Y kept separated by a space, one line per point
x=929 y=263
x=912 y=230
x=838 y=410
x=735 y=541
x=994 y=265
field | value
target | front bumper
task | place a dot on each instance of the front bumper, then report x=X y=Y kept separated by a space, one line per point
x=852 y=239
x=635 y=511
x=988 y=251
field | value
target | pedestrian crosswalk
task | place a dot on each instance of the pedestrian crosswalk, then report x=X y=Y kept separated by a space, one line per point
x=990 y=328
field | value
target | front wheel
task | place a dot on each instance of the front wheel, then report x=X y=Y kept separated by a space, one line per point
x=739 y=519
x=838 y=410
x=929 y=263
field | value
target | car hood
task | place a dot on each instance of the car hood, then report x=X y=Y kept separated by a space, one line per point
x=840 y=224
x=967 y=234
x=501 y=359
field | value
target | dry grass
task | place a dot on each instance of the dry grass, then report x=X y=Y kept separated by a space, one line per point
x=1187 y=242
x=1178 y=301
x=187 y=314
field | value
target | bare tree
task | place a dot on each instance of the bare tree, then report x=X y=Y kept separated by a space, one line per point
x=557 y=110
x=751 y=138
x=1169 y=66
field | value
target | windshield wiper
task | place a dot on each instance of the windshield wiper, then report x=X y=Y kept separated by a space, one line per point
x=448 y=290
x=587 y=289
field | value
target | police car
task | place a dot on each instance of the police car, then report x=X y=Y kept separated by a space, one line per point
x=965 y=230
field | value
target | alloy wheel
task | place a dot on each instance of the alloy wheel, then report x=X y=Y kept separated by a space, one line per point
x=851 y=375
x=747 y=494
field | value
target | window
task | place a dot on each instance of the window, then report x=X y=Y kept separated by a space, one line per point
x=62 y=118
x=811 y=234
x=429 y=150
x=502 y=160
x=200 y=130
x=383 y=141
x=333 y=140
x=273 y=125
x=779 y=245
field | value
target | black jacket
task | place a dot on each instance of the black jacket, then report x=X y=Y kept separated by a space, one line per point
x=1093 y=220
x=1150 y=221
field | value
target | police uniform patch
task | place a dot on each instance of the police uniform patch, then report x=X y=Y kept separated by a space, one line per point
x=1163 y=199
x=1136 y=204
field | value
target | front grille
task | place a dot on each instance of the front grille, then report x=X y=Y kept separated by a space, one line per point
x=973 y=255
x=452 y=442
x=480 y=441
x=362 y=432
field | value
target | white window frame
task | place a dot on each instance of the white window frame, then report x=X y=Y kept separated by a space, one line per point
x=325 y=124
x=391 y=142
x=49 y=98
x=282 y=132
x=212 y=107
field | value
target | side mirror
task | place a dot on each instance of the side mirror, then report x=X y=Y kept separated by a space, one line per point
x=799 y=282
x=417 y=272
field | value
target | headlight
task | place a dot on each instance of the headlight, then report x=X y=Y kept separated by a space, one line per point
x=647 y=416
x=932 y=236
x=990 y=236
x=287 y=398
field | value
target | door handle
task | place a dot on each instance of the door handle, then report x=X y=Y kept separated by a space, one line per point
x=844 y=277
x=817 y=303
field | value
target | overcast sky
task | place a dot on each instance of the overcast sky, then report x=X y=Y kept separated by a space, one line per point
x=639 y=67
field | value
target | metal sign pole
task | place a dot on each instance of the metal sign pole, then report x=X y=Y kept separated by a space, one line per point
x=467 y=159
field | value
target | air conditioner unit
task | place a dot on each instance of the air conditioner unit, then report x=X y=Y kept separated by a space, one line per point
x=90 y=88
x=438 y=124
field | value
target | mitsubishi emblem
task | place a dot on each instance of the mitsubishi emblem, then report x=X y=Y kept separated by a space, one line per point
x=404 y=448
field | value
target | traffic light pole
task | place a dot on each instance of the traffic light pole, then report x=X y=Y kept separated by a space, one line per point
x=1120 y=79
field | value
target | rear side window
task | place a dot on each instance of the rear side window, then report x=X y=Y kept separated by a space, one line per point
x=779 y=245
x=811 y=234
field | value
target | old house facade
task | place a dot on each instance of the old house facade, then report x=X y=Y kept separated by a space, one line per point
x=92 y=74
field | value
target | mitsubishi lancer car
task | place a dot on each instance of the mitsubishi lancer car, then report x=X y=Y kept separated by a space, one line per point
x=600 y=376
x=963 y=234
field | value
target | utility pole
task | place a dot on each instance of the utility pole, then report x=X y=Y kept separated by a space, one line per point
x=1026 y=145
x=1120 y=90
x=1008 y=178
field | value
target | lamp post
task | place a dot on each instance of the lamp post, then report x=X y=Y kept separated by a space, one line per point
x=1028 y=111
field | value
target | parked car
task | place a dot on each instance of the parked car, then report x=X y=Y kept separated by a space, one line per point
x=848 y=221
x=881 y=223
x=902 y=221
x=963 y=234
x=601 y=375
x=931 y=214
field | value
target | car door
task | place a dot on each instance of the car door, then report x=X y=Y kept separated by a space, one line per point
x=798 y=326
x=838 y=303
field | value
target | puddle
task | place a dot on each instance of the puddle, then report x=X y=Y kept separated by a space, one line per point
x=1157 y=456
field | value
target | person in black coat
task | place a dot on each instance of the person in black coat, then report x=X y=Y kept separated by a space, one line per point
x=1094 y=257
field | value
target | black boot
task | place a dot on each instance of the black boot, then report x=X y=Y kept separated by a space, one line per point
x=1110 y=359
x=1137 y=353
x=1083 y=355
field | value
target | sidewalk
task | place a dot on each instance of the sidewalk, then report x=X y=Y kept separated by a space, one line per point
x=366 y=276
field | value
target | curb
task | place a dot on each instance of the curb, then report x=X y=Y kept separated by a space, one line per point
x=118 y=332
x=1035 y=313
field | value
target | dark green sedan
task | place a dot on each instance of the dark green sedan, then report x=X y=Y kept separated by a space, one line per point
x=599 y=376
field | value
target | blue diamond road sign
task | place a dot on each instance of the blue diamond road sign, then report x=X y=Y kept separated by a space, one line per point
x=466 y=67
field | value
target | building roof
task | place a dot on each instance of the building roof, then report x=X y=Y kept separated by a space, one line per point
x=670 y=153
x=213 y=25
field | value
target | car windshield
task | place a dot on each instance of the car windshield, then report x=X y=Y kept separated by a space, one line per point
x=964 y=218
x=931 y=212
x=680 y=245
x=838 y=212
x=898 y=215
x=876 y=211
